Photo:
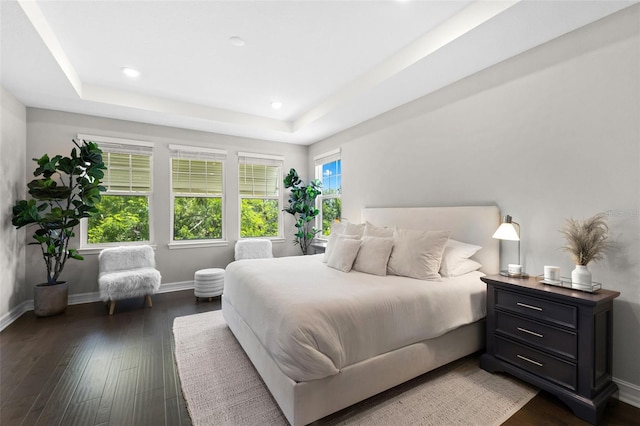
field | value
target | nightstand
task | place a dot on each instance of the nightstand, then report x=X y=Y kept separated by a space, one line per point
x=557 y=339
x=319 y=246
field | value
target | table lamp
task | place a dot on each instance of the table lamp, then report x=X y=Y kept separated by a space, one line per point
x=508 y=231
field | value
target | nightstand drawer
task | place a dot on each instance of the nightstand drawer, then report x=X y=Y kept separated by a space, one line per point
x=552 y=339
x=549 y=368
x=558 y=313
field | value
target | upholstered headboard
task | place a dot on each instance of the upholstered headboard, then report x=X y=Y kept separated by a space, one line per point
x=470 y=224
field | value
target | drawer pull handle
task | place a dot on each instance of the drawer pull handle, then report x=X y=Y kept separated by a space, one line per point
x=524 y=305
x=529 y=360
x=533 y=333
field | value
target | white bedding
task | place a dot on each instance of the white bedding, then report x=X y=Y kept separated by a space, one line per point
x=314 y=320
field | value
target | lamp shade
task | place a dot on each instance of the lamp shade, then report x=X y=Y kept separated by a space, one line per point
x=507 y=230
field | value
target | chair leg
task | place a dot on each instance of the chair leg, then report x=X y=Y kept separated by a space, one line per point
x=147 y=298
x=112 y=306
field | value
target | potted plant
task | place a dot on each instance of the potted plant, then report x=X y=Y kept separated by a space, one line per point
x=66 y=189
x=586 y=241
x=302 y=205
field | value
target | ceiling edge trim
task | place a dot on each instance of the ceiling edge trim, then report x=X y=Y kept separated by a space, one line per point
x=162 y=105
x=461 y=23
x=44 y=30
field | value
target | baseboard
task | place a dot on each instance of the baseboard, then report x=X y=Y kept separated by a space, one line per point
x=8 y=318
x=77 y=299
x=179 y=286
x=629 y=392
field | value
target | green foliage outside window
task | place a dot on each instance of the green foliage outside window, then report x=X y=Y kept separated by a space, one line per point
x=259 y=218
x=120 y=218
x=197 y=218
x=331 y=212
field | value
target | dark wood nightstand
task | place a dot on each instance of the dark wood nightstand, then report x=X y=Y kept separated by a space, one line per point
x=555 y=338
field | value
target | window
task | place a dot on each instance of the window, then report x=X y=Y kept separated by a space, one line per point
x=124 y=211
x=260 y=183
x=197 y=193
x=329 y=172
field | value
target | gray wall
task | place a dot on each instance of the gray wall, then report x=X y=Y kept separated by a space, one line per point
x=550 y=134
x=51 y=132
x=13 y=141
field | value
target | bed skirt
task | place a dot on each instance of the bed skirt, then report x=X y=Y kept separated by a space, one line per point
x=305 y=402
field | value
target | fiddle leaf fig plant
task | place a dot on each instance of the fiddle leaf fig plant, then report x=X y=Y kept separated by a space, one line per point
x=302 y=205
x=66 y=190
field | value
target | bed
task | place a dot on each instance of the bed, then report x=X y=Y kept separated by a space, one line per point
x=323 y=339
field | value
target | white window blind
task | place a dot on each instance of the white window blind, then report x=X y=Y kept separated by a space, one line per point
x=259 y=175
x=128 y=167
x=197 y=171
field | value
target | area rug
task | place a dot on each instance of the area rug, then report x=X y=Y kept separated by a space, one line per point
x=221 y=387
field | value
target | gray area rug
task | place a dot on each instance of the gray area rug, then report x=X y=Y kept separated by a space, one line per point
x=221 y=387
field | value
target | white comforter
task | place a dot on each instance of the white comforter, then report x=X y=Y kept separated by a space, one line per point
x=314 y=320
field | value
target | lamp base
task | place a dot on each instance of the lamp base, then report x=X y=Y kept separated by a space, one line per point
x=514 y=275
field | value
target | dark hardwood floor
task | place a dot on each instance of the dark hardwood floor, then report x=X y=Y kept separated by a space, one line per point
x=85 y=367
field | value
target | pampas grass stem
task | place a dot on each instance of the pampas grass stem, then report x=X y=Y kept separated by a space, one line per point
x=586 y=240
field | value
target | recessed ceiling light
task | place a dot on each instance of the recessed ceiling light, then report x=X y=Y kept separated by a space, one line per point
x=130 y=72
x=276 y=104
x=236 y=41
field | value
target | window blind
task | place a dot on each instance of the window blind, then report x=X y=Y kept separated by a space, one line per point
x=128 y=167
x=259 y=175
x=197 y=171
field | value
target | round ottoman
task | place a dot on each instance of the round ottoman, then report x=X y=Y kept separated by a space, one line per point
x=208 y=282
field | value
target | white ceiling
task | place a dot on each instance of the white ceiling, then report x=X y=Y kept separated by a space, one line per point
x=333 y=64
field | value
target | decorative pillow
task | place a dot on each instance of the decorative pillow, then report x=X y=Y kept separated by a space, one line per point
x=344 y=253
x=417 y=254
x=465 y=267
x=332 y=241
x=373 y=255
x=354 y=229
x=370 y=230
x=338 y=227
x=455 y=252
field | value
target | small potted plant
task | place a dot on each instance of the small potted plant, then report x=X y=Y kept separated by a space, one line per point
x=586 y=241
x=302 y=205
x=66 y=189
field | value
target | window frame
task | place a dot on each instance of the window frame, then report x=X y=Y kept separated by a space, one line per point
x=196 y=153
x=129 y=146
x=319 y=161
x=269 y=160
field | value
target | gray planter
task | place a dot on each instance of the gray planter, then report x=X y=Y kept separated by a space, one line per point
x=50 y=300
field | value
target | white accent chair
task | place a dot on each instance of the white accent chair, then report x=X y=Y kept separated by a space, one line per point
x=127 y=272
x=254 y=248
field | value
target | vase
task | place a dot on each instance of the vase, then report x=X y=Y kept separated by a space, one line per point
x=581 y=275
x=50 y=300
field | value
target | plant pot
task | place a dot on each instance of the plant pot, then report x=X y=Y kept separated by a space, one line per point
x=50 y=300
x=581 y=275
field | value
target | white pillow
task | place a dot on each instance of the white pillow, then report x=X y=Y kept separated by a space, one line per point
x=417 y=254
x=344 y=253
x=455 y=252
x=342 y=228
x=464 y=267
x=332 y=241
x=337 y=227
x=354 y=229
x=372 y=230
x=373 y=255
